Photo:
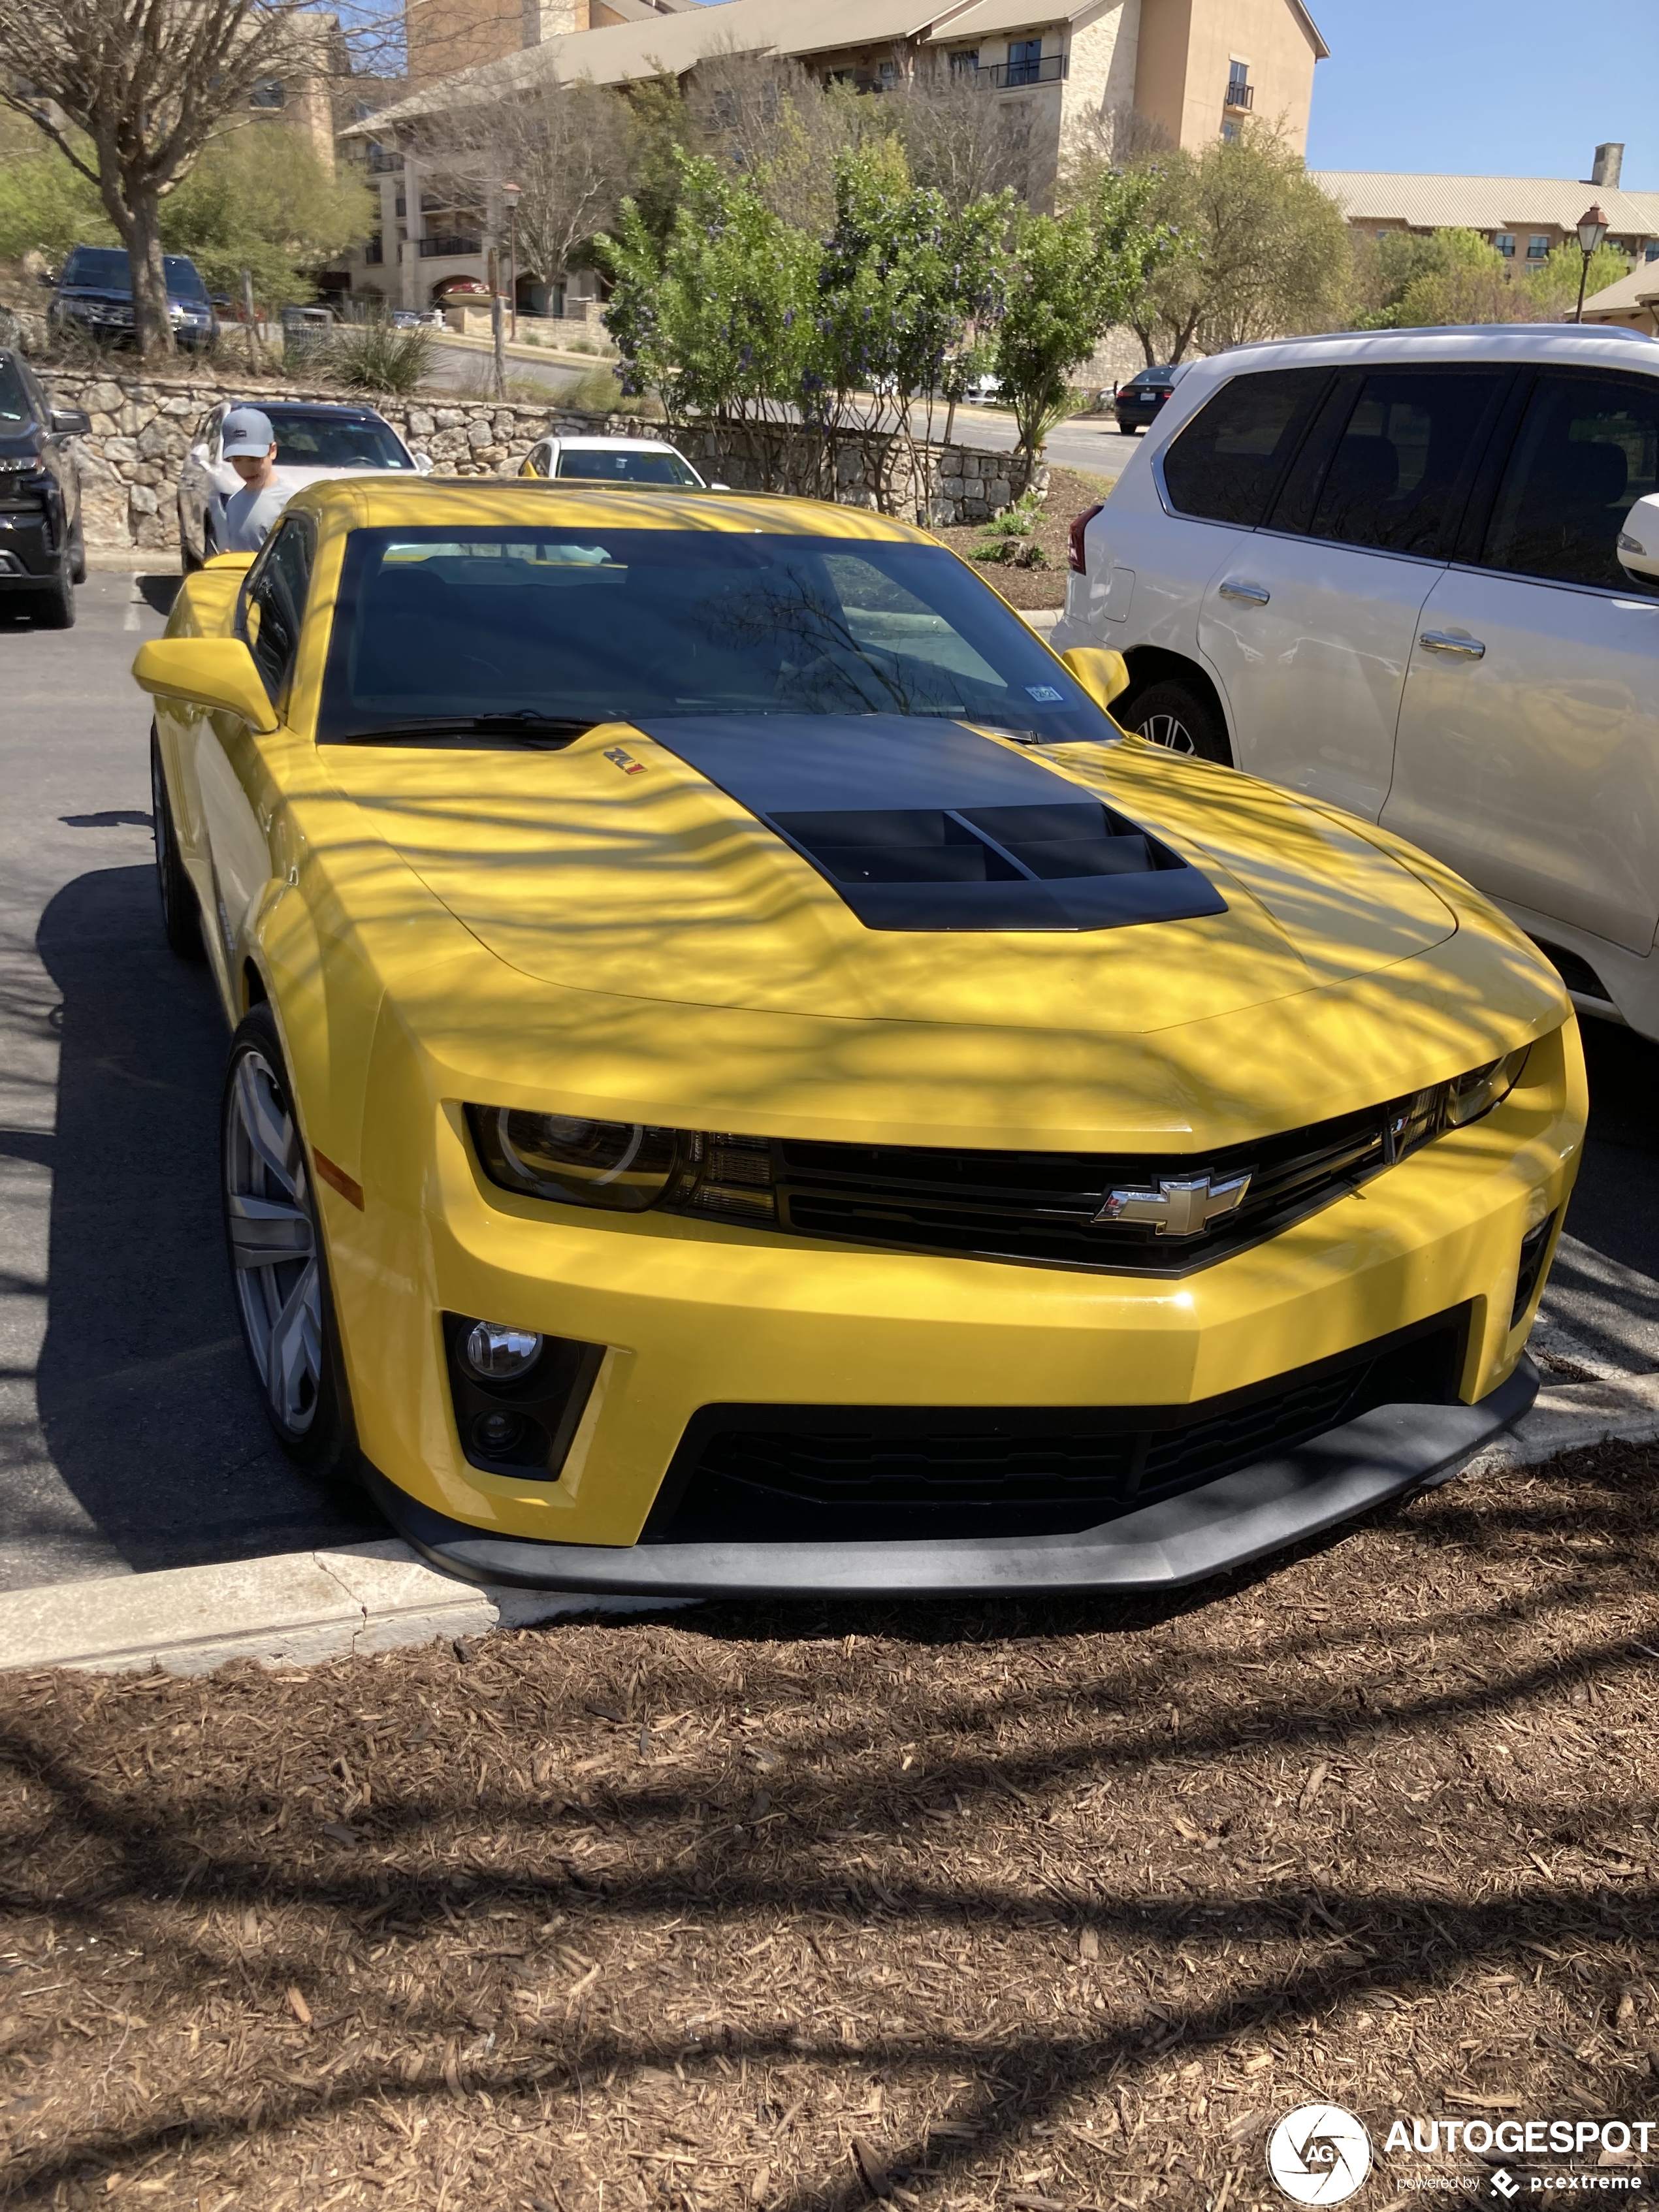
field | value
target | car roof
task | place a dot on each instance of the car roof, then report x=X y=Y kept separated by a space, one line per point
x=292 y=410
x=614 y=445
x=391 y=500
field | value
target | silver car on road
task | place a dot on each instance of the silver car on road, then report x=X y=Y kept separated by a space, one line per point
x=313 y=440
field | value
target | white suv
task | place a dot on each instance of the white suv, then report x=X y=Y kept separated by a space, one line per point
x=1383 y=568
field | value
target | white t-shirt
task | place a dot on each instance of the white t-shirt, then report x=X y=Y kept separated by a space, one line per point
x=250 y=515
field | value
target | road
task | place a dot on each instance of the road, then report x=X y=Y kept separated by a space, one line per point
x=1089 y=442
x=132 y=1436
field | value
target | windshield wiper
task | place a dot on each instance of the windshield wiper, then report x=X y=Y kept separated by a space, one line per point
x=523 y=726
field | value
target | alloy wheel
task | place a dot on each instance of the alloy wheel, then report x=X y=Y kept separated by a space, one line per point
x=1169 y=732
x=273 y=1243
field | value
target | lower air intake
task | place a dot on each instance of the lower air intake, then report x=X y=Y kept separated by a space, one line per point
x=859 y=1474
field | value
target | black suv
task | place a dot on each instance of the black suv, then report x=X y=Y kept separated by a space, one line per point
x=41 y=552
x=95 y=294
x=1138 y=400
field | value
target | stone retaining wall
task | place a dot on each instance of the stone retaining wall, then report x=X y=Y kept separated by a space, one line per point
x=143 y=427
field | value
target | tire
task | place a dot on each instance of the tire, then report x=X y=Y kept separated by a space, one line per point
x=77 y=554
x=181 y=910
x=1126 y=430
x=1182 y=718
x=53 y=605
x=189 y=561
x=279 y=1271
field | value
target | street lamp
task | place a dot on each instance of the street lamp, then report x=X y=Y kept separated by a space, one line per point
x=510 y=202
x=1592 y=229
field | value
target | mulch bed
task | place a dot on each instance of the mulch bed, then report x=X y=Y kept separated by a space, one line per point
x=1069 y=493
x=1036 y=1906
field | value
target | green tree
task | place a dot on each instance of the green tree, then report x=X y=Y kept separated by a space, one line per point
x=1551 y=287
x=1070 y=279
x=1262 y=252
x=45 y=206
x=717 y=315
x=260 y=198
x=905 y=283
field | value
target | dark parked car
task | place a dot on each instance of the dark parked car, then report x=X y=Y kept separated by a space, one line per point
x=41 y=554
x=94 y=293
x=1139 y=399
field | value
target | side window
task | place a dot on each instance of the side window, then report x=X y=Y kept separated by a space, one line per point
x=1397 y=477
x=274 y=600
x=1224 y=466
x=1588 y=447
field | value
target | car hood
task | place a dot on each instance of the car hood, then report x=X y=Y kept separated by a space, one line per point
x=622 y=865
x=20 y=445
x=226 y=480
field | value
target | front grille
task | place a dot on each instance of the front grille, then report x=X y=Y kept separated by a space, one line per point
x=859 y=1474
x=1043 y=1208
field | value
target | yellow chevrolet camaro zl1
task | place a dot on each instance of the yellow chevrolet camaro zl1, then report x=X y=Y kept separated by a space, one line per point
x=746 y=1079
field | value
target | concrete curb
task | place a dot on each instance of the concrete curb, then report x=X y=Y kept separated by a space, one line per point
x=304 y=1606
x=291 y=1610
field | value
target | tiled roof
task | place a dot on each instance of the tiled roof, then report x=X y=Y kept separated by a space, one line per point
x=1515 y=203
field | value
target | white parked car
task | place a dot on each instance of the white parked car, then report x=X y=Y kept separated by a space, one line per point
x=1399 y=571
x=613 y=460
x=313 y=440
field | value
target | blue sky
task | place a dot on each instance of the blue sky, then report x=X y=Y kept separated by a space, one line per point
x=1487 y=88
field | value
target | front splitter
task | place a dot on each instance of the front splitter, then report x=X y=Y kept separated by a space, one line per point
x=1220 y=1526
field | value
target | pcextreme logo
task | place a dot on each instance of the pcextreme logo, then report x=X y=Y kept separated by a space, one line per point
x=1318 y=2153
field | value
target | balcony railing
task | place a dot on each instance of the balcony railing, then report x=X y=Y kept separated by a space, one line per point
x=384 y=159
x=448 y=242
x=1002 y=76
x=1240 y=95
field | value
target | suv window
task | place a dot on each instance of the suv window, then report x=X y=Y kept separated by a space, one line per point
x=1396 y=475
x=1225 y=464
x=1587 y=448
x=276 y=586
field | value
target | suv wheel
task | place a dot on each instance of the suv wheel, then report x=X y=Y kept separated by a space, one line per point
x=53 y=606
x=1182 y=719
x=77 y=554
x=278 y=1268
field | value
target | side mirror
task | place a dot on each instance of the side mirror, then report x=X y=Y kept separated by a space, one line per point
x=70 y=422
x=1103 y=674
x=717 y=487
x=424 y=464
x=216 y=672
x=1638 y=539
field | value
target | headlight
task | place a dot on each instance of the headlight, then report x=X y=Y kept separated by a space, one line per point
x=624 y=1166
x=1468 y=1096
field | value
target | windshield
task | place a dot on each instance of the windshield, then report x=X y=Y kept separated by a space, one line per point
x=106 y=266
x=14 y=400
x=661 y=467
x=334 y=441
x=574 y=626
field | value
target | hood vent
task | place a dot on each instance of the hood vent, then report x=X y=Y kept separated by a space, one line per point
x=973 y=837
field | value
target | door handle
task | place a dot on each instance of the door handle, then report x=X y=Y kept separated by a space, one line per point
x=1252 y=594
x=1459 y=649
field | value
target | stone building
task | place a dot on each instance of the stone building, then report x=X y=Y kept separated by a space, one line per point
x=1195 y=69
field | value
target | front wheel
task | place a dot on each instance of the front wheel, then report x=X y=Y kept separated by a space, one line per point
x=53 y=607
x=189 y=560
x=278 y=1268
x=1182 y=719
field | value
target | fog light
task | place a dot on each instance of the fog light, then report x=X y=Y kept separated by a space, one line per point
x=497 y=1353
x=496 y=1433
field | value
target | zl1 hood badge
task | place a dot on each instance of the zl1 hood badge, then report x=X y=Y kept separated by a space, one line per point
x=1182 y=1206
x=624 y=760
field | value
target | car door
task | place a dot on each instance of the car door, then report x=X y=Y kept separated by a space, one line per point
x=196 y=485
x=1309 y=624
x=1529 y=749
x=55 y=454
x=229 y=772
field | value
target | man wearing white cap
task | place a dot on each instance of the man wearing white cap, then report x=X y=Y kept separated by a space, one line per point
x=250 y=447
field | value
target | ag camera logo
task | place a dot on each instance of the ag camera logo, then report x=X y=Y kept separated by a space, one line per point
x=1319 y=2154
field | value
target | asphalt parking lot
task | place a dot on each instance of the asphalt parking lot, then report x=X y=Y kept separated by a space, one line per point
x=130 y=1434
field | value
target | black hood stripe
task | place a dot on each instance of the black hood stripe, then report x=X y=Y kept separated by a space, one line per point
x=921 y=824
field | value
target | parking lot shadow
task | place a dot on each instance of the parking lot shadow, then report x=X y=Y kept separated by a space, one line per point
x=151 y=1415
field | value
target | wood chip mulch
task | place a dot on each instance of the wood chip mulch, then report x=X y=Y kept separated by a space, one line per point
x=1037 y=1906
x=1070 y=492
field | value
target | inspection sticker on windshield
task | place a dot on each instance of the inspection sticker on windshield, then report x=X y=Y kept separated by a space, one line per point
x=624 y=760
x=1045 y=695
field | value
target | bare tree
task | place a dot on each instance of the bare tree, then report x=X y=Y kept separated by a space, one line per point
x=569 y=150
x=130 y=91
x=770 y=121
x=959 y=137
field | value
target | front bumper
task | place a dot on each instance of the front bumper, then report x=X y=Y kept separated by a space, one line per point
x=1212 y=1530
x=28 y=547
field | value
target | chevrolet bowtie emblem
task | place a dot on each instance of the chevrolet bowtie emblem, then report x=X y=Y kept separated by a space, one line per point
x=1182 y=1206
